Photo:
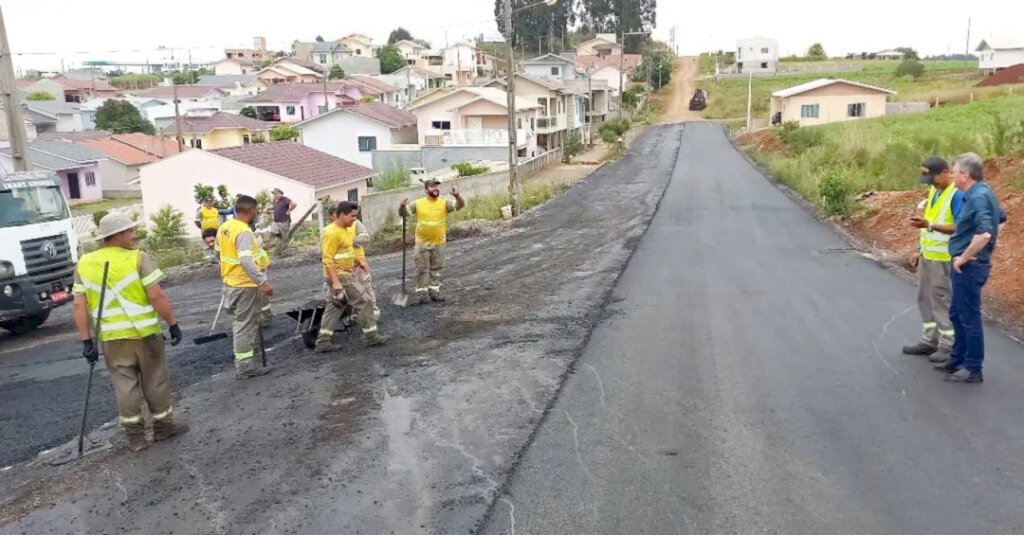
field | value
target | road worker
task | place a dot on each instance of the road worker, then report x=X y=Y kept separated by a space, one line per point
x=431 y=235
x=245 y=285
x=339 y=260
x=129 y=329
x=932 y=259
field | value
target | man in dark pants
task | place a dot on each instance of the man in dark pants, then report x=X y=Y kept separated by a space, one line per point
x=977 y=230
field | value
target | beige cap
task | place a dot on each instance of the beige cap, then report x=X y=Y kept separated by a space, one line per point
x=112 y=224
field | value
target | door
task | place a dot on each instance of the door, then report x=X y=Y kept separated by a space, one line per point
x=74 y=189
x=476 y=123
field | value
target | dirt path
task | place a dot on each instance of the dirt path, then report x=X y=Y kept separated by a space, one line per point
x=681 y=88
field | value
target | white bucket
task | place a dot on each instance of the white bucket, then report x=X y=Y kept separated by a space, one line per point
x=506 y=211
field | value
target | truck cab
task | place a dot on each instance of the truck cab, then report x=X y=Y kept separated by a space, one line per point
x=38 y=249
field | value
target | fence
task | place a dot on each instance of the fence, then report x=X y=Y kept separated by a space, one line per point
x=903 y=108
x=379 y=210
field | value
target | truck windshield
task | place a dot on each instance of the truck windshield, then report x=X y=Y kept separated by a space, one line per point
x=26 y=206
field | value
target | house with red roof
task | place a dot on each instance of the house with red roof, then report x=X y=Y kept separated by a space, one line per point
x=304 y=175
x=212 y=129
x=72 y=89
x=126 y=154
x=354 y=132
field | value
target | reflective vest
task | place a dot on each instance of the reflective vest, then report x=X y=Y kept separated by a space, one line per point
x=339 y=250
x=127 y=313
x=262 y=260
x=431 y=221
x=231 y=271
x=934 y=244
x=209 y=218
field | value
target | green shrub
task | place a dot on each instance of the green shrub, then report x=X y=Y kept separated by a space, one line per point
x=97 y=215
x=999 y=138
x=167 y=224
x=788 y=128
x=394 y=177
x=836 y=195
x=468 y=169
x=803 y=139
x=573 y=146
x=910 y=67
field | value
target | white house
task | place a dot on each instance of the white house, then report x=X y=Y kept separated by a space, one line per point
x=354 y=132
x=411 y=82
x=359 y=44
x=997 y=54
x=603 y=44
x=463 y=63
x=551 y=65
x=234 y=67
x=475 y=116
x=890 y=55
x=241 y=85
x=757 y=55
x=411 y=50
x=302 y=173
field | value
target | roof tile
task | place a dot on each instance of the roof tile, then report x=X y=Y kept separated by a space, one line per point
x=297 y=162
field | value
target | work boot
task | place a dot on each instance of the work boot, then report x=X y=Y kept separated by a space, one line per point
x=136 y=435
x=167 y=428
x=939 y=357
x=963 y=375
x=946 y=367
x=920 y=348
x=420 y=298
x=436 y=297
x=375 y=339
x=248 y=368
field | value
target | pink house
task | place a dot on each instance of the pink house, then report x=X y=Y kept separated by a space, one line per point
x=77 y=166
x=292 y=103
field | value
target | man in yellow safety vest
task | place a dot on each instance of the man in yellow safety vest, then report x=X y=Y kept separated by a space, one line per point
x=340 y=257
x=431 y=236
x=245 y=284
x=932 y=259
x=129 y=329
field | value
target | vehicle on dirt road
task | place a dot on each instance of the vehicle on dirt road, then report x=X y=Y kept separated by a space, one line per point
x=38 y=251
x=699 y=101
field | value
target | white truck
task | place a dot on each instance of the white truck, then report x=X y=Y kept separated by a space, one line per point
x=38 y=249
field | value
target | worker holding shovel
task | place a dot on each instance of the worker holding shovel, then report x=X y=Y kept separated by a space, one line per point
x=129 y=328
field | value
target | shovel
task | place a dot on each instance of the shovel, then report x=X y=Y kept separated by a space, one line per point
x=92 y=365
x=212 y=337
x=402 y=299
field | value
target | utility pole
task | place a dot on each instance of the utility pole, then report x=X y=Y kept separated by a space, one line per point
x=12 y=103
x=510 y=80
x=750 y=98
x=967 y=47
x=326 y=106
x=177 y=120
x=622 y=66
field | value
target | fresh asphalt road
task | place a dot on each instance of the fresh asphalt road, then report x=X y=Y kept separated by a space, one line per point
x=748 y=379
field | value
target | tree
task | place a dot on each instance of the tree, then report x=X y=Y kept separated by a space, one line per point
x=284 y=132
x=910 y=67
x=337 y=73
x=40 y=95
x=816 y=51
x=399 y=34
x=121 y=117
x=390 y=59
x=185 y=78
x=540 y=27
x=249 y=112
x=908 y=53
x=319 y=39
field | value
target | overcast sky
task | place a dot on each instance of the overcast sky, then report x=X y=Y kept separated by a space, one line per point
x=61 y=28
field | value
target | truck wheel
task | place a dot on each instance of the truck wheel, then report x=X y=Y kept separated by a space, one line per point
x=26 y=324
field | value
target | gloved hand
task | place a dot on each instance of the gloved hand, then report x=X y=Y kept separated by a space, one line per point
x=90 y=351
x=175 y=335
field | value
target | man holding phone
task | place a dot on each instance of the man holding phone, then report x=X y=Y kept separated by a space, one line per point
x=941 y=209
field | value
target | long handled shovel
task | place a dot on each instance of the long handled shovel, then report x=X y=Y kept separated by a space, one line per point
x=92 y=365
x=212 y=337
x=402 y=299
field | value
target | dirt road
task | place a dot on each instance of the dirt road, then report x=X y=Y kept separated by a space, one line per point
x=679 y=91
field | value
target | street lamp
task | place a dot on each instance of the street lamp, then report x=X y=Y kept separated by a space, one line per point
x=514 y=189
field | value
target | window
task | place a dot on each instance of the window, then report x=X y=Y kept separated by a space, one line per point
x=353 y=195
x=367 y=143
x=555 y=71
x=764 y=64
x=90 y=178
x=359 y=52
x=441 y=125
x=290 y=110
x=321 y=109
x=855 y=110
x=196 y=143
x=519 y=123
x=810 y=111
x=246 y=139
x=764 y=50
x=323 y=58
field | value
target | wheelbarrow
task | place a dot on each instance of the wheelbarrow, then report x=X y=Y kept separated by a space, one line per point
x=309 y=316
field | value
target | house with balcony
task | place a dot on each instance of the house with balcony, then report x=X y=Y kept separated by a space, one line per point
x=758 y=55
x=464 y=63
x=476 y=117
x=292 y=103
x=354 y=132
x=562 y=107
x=359 y=44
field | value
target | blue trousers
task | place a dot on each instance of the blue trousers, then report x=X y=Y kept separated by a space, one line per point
x=965 y=315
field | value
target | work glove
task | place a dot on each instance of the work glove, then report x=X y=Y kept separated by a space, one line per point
x=175 y=335
x=90 y=351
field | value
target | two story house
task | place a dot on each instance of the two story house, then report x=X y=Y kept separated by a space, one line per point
x=757 y=55
x=603 y=44
x=562 y=107
x=476 y=117
x=292 y=103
